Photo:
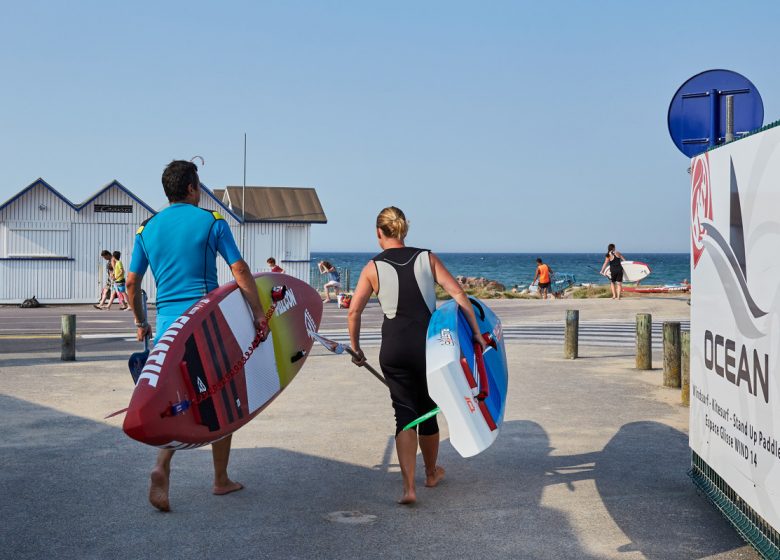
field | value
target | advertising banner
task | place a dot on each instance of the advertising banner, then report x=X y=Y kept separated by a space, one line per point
x=735 y=317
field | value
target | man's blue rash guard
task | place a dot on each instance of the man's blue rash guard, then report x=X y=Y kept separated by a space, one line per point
x=180 y=246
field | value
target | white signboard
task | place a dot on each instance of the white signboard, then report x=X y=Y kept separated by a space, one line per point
x=735 y=317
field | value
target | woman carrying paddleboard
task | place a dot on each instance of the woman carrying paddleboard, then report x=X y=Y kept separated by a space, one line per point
x=404 y=278
x=614 y=260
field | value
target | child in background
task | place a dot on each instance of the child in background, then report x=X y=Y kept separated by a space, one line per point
x=119 y=281
x=109 y=280
x=272 y=264
x=334 y=279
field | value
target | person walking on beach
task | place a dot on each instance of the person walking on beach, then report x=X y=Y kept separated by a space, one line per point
x=334 y=279
x=272 y=264
x=614 y=261
x=543 y=274
x=180 y=244
x=403 y=278
x=109 y=279
x=119 y=281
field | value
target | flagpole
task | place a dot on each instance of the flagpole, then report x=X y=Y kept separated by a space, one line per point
x=243 y=205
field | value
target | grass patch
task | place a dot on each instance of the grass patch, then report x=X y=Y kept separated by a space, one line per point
x=591 y=292
x=485 y=294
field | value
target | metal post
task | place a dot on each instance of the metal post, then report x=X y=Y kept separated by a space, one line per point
x=729 y=118
x=685 y=385
x=713 y=117
x=68 y=338
x=346 y=278
x=571 y=334
x=644 y=341
x=672 y=354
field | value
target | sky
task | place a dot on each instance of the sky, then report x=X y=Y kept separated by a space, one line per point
x=495 y=126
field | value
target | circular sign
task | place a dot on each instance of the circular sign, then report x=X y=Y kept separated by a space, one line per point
x=697 y=113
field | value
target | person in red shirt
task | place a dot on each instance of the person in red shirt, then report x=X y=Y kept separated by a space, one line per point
x=543 y=273
x=274 y=267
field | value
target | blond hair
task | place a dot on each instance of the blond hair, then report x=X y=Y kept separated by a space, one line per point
x=392 y=222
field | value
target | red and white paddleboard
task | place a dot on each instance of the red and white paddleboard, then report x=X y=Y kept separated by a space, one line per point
x=195 y=387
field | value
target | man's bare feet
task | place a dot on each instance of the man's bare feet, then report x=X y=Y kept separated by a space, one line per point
x=227 y=488
x=158 y=489
x=409 y=497
x=434 y=478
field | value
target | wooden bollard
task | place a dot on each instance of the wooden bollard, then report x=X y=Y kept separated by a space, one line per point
x=644 y=341
x=68 y=338
x=571 y=334
x=672 y=358
x=685 y=367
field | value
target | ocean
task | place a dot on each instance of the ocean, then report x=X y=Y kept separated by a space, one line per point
x=517 y=269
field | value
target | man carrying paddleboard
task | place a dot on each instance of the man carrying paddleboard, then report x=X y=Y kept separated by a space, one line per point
x=180 y=245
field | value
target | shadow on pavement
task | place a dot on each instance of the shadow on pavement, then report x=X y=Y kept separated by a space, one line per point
x=74 y=488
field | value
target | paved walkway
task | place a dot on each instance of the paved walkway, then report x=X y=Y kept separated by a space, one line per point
x=591 y=463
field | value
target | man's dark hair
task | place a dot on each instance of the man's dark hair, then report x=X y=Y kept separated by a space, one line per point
x=178 y=175
x=117 y=255
x=539 y=261
x=105 y=253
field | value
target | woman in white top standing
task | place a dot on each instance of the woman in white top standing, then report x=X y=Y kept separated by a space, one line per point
x=403 y=278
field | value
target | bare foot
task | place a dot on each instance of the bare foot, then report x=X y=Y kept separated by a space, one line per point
x=408 y=498
x=158 y=489
x=433 y=479
x=227 y=488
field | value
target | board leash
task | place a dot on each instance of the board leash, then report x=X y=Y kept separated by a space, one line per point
x=174 y=409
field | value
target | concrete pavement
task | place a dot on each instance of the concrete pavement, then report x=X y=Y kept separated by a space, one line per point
x=591 y=463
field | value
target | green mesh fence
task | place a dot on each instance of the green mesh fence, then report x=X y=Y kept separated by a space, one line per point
x=751 y=526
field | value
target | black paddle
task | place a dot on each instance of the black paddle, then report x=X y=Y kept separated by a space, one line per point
x=138 y=359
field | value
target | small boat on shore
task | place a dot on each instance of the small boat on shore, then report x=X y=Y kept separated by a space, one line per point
x=668 y=289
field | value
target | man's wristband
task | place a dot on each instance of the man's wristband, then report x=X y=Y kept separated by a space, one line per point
x=142 y=324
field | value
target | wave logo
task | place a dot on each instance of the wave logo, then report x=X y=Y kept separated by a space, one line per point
x=728 y=257
x=701 y=204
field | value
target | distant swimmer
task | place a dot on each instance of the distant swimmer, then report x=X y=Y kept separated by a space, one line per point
x=543 y=274
x=614 y=261
x=180 y=245
x=404 y=279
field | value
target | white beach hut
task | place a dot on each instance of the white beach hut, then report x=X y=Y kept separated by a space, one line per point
x=50 y=247
x=277 y=223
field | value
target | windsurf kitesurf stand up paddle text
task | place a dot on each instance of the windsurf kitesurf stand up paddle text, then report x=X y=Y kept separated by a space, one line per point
x=180 y=245
x=404 y=279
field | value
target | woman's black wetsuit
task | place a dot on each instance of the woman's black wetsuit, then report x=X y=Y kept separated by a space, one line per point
x=615 y=267
x=406 y=293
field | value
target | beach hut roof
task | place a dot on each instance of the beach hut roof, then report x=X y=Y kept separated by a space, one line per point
x=122 y=188
x=34 y=184
x=278 y=204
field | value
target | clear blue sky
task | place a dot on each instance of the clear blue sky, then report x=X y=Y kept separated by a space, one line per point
x=496 y=126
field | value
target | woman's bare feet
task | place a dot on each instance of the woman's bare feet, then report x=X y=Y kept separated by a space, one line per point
x=409 y=497
x=158 y=489
x=231 y=486
x=432 y=479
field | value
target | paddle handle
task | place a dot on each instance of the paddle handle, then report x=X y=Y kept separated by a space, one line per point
x=146 y=317
x=374 y=372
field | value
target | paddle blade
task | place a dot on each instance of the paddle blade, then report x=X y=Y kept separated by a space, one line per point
x=331 y=345
x=136 y=364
